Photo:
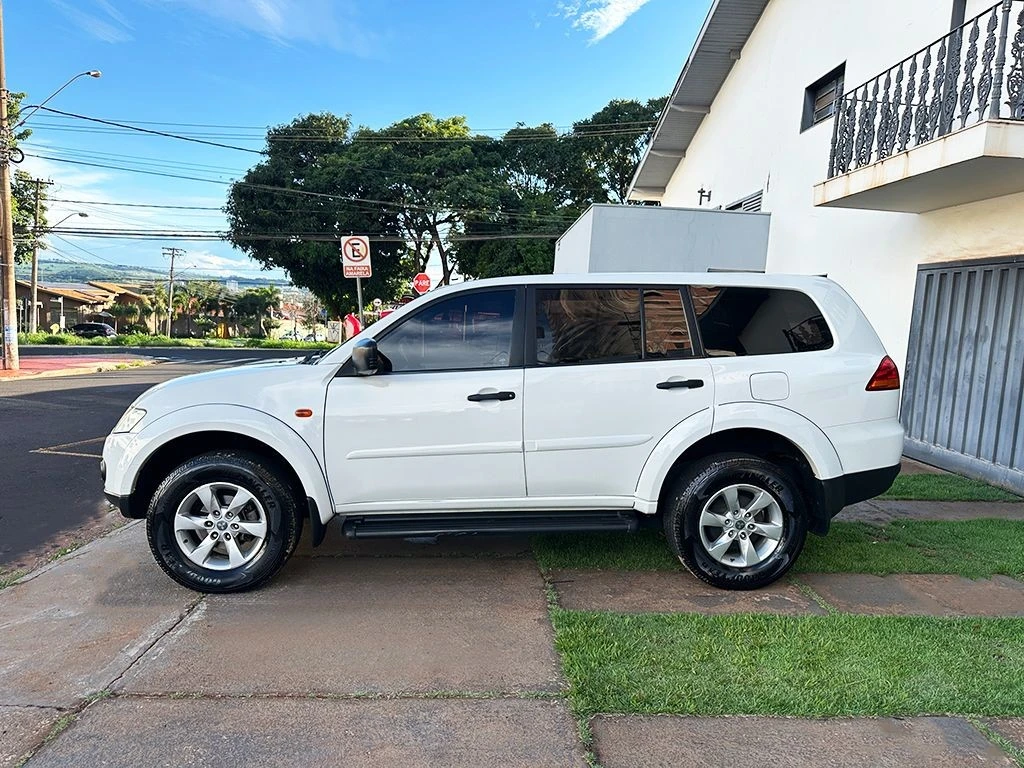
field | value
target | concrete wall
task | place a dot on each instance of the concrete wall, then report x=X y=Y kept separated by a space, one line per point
x=621 y=238
x=751 y=140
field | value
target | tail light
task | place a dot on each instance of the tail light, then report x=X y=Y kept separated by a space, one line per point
x=886 y=376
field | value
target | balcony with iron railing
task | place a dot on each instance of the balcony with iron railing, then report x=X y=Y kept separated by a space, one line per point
x=943 y=127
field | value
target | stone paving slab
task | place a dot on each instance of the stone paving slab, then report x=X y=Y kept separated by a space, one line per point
x=1010 y=728
x=378 y=625
x=919 y=595
x=21 y=730
x=882 y=511
x=76 y=625
x=663 y=741
x=663 y=592
x=288 y=732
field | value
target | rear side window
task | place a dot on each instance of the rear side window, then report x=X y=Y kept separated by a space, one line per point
x=737 y=321
x=588 y=325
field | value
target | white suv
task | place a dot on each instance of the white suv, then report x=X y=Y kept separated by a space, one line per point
x=743 y=410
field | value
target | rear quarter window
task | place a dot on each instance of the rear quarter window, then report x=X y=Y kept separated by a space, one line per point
x=739 y=321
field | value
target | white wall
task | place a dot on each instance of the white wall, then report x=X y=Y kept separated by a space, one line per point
x=634 y=238
x=572 y=251
x=751 y=140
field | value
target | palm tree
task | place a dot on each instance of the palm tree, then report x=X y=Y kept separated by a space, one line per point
x=256 y=305
x=123 y=311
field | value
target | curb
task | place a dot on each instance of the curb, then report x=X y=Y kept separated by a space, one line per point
x=101 y=367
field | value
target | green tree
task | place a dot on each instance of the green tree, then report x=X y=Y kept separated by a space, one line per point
x=306 y=186
x=256 y=306
x=122 y=312
x=27 y=231
x=610 y=143
x=537 y=195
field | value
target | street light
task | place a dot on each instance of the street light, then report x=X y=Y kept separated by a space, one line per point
x=33 y=316
x=69 y=216
x=8 y=310
x=44 y=102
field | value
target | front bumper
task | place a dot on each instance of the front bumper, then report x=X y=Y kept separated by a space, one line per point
x=122 y=502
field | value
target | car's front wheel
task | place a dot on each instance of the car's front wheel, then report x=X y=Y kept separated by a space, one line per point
x=736 y=521
x=223 y=522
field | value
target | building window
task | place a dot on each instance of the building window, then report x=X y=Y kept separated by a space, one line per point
x=822 y=97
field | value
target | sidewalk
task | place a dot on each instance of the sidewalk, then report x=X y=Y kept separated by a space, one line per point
x=391 y=653
x=44 y=366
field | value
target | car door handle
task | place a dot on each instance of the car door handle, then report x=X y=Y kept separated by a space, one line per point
x=685 y=384
x=492 y=396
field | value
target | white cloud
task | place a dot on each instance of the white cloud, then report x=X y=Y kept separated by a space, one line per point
x=322 y=22
x=599 y=17
x=109 y=25
x=206 y=262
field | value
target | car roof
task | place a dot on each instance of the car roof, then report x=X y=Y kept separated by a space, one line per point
x=751 y=279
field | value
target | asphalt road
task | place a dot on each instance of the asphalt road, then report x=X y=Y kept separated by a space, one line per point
x=51 y=436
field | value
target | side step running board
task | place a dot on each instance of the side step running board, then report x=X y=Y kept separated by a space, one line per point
x=408 y=526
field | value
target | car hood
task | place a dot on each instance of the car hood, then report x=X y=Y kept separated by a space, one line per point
x=274 y=386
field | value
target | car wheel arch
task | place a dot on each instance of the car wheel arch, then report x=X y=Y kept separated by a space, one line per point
x=178 y=436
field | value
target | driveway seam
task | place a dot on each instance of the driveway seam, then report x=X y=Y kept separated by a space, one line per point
x=1011 y=749
x=182 y=617
x=820 y=601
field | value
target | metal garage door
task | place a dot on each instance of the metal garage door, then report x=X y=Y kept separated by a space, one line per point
x=962 y=399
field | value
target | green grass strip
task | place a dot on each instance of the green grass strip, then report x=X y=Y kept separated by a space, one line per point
x=927 y=487
x=815 y=666
x=972 y=548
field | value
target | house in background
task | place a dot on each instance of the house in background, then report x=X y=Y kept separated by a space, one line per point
x=886 y=141
x=54 y=302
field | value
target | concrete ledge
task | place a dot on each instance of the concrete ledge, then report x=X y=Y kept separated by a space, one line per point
x=671 y=592
x=668 y=741
x=133 y=732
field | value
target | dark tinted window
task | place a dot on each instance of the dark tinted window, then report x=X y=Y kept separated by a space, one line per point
x=758 y=321
x=588 y=325
x=471 y=330
x=667 y=333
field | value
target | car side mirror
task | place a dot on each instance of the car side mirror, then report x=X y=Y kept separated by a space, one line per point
x=365 y=359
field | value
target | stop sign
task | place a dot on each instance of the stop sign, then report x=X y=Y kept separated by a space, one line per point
x=421 y=283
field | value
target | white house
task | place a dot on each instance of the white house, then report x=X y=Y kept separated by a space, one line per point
x=886 y=141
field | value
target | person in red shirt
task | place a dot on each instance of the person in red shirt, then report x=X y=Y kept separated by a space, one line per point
x=352 y=325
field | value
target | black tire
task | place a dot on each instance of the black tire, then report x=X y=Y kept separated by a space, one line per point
x=698 y=484
x=249 y=471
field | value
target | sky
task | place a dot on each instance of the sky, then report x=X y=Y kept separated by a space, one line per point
x=227 y=69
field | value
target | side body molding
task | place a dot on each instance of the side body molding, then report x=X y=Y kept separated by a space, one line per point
x=227 y=418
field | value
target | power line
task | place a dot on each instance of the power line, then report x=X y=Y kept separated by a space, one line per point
x=136 y=205
x=268 y=127
x=307 y=193
x=212 y=235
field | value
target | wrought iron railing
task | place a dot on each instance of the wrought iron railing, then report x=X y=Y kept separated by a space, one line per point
x=974 y=73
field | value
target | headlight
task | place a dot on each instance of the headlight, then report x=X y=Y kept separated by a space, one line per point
x=130 y=420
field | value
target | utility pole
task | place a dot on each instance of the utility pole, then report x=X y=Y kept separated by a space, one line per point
x=172 y=252
x=10 y=304
x=33 y=312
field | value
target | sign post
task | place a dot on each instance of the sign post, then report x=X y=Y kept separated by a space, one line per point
x=355 y=262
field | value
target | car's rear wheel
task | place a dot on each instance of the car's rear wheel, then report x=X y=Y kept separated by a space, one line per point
x=736 y=521
x=223 y=522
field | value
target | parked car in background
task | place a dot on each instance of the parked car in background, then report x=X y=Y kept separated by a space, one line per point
x=738 y=411
x=93 y=330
